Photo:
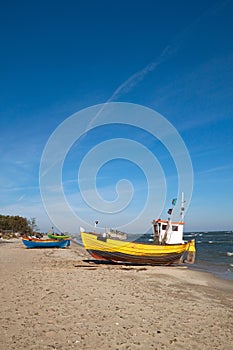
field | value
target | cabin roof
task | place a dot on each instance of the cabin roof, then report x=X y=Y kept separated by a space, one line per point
x=166 y=222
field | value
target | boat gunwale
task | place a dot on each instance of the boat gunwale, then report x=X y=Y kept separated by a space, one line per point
x=38 y=240
x=134 y=242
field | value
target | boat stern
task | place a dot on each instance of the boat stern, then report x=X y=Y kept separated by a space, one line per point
x=191 y=252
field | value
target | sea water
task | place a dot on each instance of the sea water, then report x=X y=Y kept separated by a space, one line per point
x=214 y=250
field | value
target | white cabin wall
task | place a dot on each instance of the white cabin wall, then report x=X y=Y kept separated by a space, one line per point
x=175 y=237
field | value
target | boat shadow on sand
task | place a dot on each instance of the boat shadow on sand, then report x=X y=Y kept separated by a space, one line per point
x=96 y=262
x=6 y=242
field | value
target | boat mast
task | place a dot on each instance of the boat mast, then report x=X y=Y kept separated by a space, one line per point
x=96 y=223
x=182 y=207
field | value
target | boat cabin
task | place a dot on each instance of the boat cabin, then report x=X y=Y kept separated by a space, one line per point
x=168 y=232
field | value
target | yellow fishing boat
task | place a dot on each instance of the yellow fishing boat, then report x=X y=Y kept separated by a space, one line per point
x=168 y=246
x=102 y=248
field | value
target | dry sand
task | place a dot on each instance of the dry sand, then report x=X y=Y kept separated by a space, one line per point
x=52 y=299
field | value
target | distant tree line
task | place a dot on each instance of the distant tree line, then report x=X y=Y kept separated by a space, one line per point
x=17 y=224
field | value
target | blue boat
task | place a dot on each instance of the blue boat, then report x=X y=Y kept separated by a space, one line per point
x=45 y=243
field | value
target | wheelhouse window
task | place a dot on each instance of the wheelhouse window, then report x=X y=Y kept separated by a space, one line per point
x=174 y=228
x=164 y=227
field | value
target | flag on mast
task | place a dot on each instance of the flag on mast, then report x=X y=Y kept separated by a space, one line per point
x=174 y=201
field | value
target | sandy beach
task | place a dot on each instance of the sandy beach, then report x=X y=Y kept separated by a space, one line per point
x=56 y=299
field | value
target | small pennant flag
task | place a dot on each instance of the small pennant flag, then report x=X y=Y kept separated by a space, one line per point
x=174 y=201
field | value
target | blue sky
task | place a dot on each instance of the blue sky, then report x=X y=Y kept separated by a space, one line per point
x=175 y=57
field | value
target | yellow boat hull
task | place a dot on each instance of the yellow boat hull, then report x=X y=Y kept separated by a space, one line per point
x=133 y=252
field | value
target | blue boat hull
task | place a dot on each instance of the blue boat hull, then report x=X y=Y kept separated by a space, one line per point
x=50 y=243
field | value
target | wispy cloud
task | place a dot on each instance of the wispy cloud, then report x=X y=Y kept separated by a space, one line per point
x=217 y=169
x=21 y=198
x=12 y=188
x=169 y=51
